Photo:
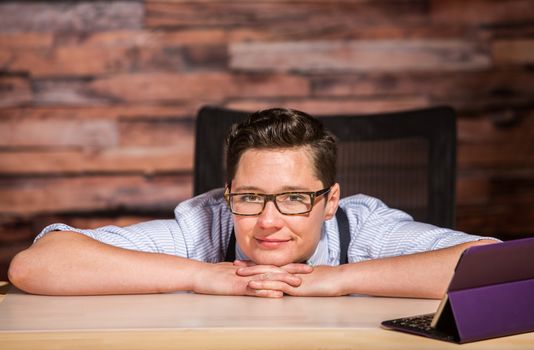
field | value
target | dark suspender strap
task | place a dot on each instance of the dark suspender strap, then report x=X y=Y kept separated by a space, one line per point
x=344 y=235
x=230 y=251
x=344 y=239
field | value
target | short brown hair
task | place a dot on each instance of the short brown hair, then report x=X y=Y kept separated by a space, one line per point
x=283 y=128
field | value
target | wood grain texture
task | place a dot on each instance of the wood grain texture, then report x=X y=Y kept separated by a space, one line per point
x=289 y=323
x=32 y=195
x=347 y=105
x=14 y=91
x=295 y=15
x=318 y=339
x=360 y=56
x=513 y=51
x=482 y=12
x=51 y=16
x=215 y=86
x=98 y=99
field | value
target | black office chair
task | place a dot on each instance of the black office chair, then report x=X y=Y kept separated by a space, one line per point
x=407 y=159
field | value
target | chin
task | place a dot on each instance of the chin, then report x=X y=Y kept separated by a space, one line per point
x=272 y=259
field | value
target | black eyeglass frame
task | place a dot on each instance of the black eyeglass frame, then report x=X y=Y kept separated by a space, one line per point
x=272 y=198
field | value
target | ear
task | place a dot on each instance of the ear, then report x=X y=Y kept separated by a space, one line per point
x=332 y=202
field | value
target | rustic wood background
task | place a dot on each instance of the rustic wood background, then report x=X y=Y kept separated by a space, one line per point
x=98 y=98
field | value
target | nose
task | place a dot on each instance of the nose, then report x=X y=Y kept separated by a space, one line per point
x=270 y=218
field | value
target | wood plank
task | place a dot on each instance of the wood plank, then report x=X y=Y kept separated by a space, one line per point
x=496 y=140
x=281 y=14
x=25 y=40
x=87 y=61
x=163 y=38
x=21 y=16
x=148 y=39
x=500 y=206
x=361 y=56
x=490 y=189
x=14 y=91
x=472 y=190
x=450 y=85
x=205 y=36
x=67 y=92
x=144 y=160
x=81 y=54
x=70 y=61
x=517 y=31
x=160 y=88
x=471 y=104
x=513 y=51
x=32 y=196
x=15 y=230
x=515 y=154
x=214 y=86
x=482 y=12
x=44 y=133
x=157 y=133
x=348 y=105
x=502 y=220
x=129 y=111
x=515 y=127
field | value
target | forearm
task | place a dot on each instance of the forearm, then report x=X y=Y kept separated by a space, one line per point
x=421 y=275
x=66 y=263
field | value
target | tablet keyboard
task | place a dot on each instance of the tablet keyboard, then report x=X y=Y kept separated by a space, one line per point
x=421 y=322
x=419 y=325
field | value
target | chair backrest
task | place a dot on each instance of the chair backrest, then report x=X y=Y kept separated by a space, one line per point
x=407 y=159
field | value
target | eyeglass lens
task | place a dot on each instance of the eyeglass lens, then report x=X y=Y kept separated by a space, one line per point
x=287 y=203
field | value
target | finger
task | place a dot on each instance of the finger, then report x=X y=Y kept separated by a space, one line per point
x=243 y=263
x=264 y=293
x=287 y=278
x=269 y=285
x=259 y=269
x=297 y=268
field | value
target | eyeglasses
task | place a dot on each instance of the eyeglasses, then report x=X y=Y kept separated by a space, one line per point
x=287 y=203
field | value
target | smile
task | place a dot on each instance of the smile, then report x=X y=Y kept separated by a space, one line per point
x=271 y=243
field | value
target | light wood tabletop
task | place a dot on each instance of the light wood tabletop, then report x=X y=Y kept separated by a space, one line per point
x=191 y=321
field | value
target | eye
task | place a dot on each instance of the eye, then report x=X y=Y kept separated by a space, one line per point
x=295 y=197
x=250 y=198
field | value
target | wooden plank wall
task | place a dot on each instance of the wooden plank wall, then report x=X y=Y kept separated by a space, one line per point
x=98 y=98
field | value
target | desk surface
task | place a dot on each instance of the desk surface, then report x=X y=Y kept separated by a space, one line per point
x=220 y=322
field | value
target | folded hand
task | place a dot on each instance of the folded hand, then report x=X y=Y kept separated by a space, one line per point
x=313 y=281
x=239 y=277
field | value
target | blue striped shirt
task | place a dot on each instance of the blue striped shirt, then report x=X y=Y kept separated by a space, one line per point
x=202 y=227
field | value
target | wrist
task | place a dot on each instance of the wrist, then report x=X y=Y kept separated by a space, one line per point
x=197 y=277
x=344 y=279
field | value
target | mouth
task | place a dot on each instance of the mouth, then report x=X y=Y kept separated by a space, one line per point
x=271 y=243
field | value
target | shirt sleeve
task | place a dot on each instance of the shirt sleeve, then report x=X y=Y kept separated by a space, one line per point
x=378 y=231
x=156 y=236
x=201 y=230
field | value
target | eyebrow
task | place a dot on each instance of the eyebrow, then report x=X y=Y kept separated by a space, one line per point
x=283 y=189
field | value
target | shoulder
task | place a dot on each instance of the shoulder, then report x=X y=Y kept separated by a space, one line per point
x=361 y=201
x=205 y=222
x=360 y=208
x=371 y=221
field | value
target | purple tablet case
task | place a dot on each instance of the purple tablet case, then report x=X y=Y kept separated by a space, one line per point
x=490 y=295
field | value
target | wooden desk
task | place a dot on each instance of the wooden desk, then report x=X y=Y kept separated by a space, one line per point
x=189 y=321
